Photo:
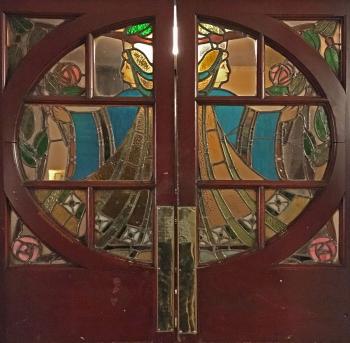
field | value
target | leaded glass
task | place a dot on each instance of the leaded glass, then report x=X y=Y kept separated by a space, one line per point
x=227 y=223
x=124 y=62
x=66 y=207
x=26 y=248
x=324 y=36
x=282 y=78
x=124 y=223
x=263 y=142
x=91 y=143
x=22 y=34
x=227 y=62
x=323 y=248
x=67 y=77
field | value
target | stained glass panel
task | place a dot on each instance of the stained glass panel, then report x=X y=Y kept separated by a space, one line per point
x=66 y=207
x=26 y=248
x=227 y=62
x=324 y=36
x=283 y=206
x=323 y=248
x=79 y=142
x=263 y=142
x=124 y=223
x=227 y=223
x=22 y=34
x=67 y=77
x=282 y=78
x=124 y=62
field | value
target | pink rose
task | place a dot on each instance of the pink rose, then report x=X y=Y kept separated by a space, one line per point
x=26 y=249
x=323 y=249
x=281 y=74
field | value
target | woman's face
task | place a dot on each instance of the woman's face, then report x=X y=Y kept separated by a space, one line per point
x=223 y=73
x=127 y=74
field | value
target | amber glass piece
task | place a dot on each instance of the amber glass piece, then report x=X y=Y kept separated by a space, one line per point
x=67 y=77
x=282 y=78
x=124 y=223
x=227 y=223
x=227 y=62
x=323 y=248
x=79 y=142
x=67 y=207
x=22 y=34
x=263 y=142
x=283 y=206
x=124 y=62
x=324 y=36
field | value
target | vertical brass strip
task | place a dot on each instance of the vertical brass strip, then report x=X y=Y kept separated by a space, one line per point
x=187 y=277
x=165 y=268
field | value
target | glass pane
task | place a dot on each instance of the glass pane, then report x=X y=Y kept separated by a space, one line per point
x=323 y=248
x=282 y=78
x=124 y=62
x=227 y=223
x=77 y=142
x=263 y=142
x=66 y=207
x=67 y=77
x=124 y=223
x=22 y=34
x=26 y=248
x=283 y=206
x=324 y=36
x=226 y=61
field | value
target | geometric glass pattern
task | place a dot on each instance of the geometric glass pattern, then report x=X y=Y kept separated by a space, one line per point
x=123 y=223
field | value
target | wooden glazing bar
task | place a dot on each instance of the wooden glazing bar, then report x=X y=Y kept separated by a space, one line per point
x=260 y=67
x=90 y=217
x=89 y=66
x=252 y=100
x=103 y=184
x=3 y=43
x=224 y=184
x=76 y=100
x=261 y=217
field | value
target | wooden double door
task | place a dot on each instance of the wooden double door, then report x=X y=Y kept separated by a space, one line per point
x=155 y=195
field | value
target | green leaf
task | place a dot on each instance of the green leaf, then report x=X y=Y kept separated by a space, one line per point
x=326 y=28
x=297 y=84
x=277 y=90
x=308 y=144
x=27 y=154
x=143 y=29
x=41 y=143
x=312 y=38
x=332 y=58
x=321 y=124
x=205 y=28
x=15 y=55
x=36 y=35
x=72 y=90
x=20 y=24
x=27 y=123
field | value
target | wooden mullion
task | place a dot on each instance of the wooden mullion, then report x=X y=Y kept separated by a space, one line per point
x=90 y=217
x=260 y=67
x=103 y=184
x=226 y=184
x=89 y=66
x=261 y=217
x=3 y=57
x=77 y=100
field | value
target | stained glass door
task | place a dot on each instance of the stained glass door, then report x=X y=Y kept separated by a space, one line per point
x=261 y=210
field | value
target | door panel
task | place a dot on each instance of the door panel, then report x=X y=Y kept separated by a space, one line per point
x=213 y=213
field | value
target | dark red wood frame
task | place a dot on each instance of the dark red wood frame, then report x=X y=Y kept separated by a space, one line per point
x=248 y=297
